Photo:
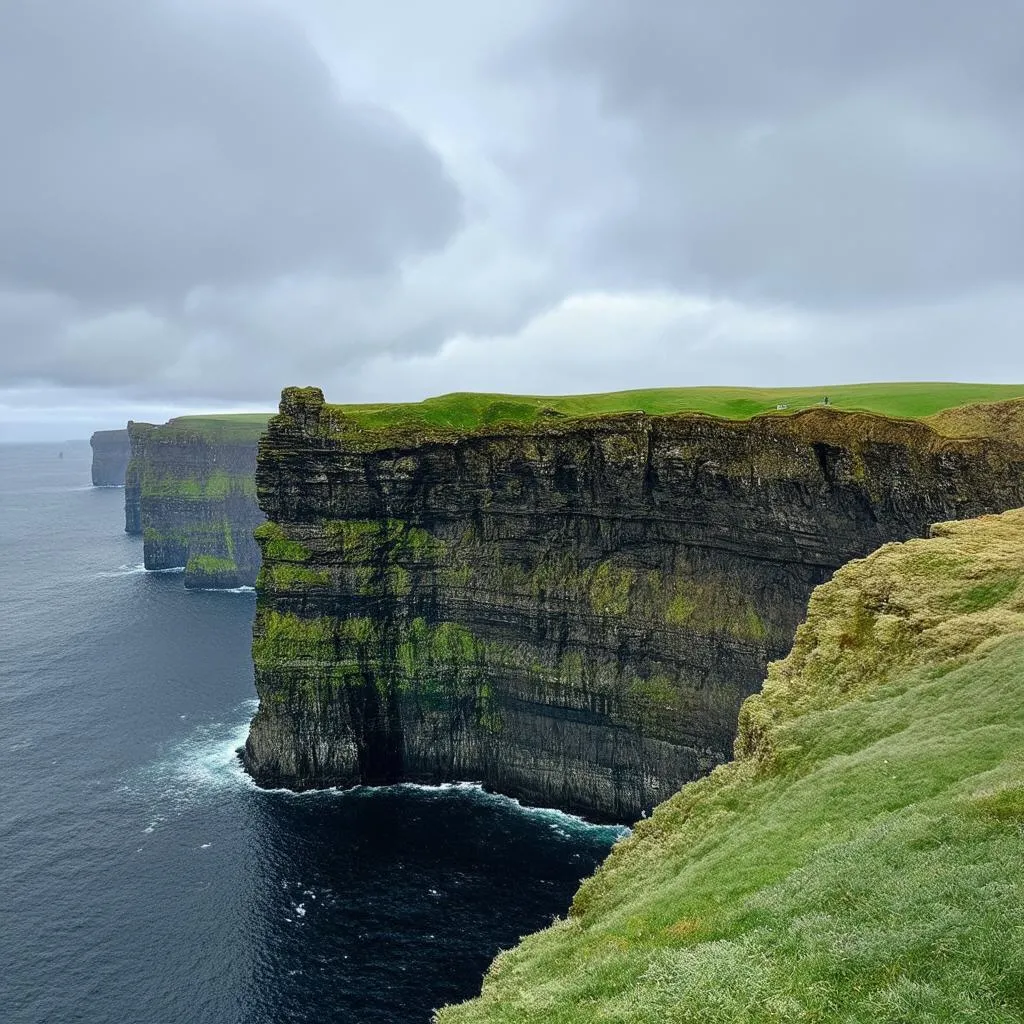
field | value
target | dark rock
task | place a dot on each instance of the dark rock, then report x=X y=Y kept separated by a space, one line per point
x=190 y=492
x=570 y=612
x=110 y=454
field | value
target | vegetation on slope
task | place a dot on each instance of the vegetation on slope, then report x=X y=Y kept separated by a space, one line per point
x=465 y=410
x=216 y=427
x=862 y=858
x=986 y=419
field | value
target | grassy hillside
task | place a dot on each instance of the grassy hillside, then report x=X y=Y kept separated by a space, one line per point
x=464 y=410
x=862 y=859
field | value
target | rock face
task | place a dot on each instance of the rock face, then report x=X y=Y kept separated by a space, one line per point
x=110 y=453
x=190 y=492
x=571 y=611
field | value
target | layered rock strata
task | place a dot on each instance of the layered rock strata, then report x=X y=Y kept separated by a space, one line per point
x=110 y=453
x=190 y=492
x=569 y=611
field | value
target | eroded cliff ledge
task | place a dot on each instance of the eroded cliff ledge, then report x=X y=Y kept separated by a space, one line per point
x=570 y=609
x=110 y=453
x=190 y=492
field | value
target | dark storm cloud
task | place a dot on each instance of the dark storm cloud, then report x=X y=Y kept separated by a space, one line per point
x=833 y=152
x=150 y=146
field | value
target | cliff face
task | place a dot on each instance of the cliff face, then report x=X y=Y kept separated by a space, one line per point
x=190 y=492
x=572 y=610
x=110 y=453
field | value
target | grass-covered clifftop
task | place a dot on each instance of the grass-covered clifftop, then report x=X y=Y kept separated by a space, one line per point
x=911 y=400
x=190 y=490
x=447 y=417
x=861 y=859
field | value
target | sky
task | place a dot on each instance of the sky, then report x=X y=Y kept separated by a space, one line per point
x=204 y=201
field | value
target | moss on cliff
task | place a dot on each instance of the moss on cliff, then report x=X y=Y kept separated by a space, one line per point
x=619 y=580
x=861 y=859
x=191 y=492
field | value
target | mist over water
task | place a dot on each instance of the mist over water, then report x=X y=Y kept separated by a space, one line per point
x=144 y=878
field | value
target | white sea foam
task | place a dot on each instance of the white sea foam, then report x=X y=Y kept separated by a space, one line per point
x=226 y=590
x=560 y=822
x=207 y=761
x=203 y=763
x=122 y=570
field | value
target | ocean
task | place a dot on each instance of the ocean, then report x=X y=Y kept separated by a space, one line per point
x=144 y=878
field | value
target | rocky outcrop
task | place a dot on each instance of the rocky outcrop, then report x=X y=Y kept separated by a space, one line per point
x=570 y=610
x=110 y=454
x=190 y=492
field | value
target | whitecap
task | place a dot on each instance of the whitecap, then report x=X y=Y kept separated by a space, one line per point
x=205 y=762
x=135 y=569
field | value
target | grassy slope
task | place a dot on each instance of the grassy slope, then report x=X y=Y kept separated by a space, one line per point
x=862 y=860
x=464 y=410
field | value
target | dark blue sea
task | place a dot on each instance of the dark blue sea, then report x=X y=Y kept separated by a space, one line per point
x=143 y=878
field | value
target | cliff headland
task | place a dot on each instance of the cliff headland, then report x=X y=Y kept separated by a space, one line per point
x=569 y=599
x=111 y=450
x=190 y=492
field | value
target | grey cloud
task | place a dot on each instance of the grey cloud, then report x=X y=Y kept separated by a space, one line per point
x=832 y=153
x=150 y=146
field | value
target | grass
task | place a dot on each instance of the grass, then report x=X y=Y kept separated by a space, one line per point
x=469 y=410
x=466 y=410
x=225 y=427
x=862 y=858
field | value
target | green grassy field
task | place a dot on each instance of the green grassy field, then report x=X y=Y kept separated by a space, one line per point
x=468 y=410
x=862 y=859
x=465 y=410
x=239 y=427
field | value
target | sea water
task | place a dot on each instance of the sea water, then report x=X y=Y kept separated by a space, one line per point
x=144 y=878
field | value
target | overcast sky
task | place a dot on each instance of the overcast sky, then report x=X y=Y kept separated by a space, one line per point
x=202 y=201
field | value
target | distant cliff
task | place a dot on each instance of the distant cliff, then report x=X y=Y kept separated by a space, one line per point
x=110 y=453
x=190 y=492
x=570 y=609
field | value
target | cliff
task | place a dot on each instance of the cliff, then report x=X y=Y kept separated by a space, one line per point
x=861 y=858
x=190 y=492
x=568 y=608
x=110 y=453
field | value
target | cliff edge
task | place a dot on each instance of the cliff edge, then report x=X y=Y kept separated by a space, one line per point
x=570 y=609
x=111 y=450
x=862 y=857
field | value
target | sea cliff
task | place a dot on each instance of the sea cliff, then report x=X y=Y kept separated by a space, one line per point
x=190 y=492
x=862 y=857
x=111 y=450
x=568 y=608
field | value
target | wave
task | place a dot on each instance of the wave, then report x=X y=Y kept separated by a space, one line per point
x=225 y=590
x=199 y=766
x=562 y=822
x=207 y=762
x=122 y=570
